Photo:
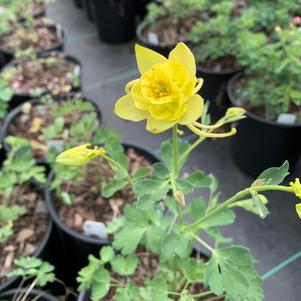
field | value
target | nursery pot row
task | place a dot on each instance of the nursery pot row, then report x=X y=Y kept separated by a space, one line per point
x=7 y=55
x=260 y=144
x=19 y=98
x=14 y=114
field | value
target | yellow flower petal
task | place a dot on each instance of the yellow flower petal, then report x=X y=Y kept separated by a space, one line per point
x=182 y=54
x=195 y=107
x=147 y=58
x=298 y=210
x=80 y=155
x=157 y=126
x=125 y=108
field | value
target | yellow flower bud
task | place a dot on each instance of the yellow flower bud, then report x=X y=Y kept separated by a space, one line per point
x=80 y=155
x=234 y=114
x=298 y=209
x=296 y=187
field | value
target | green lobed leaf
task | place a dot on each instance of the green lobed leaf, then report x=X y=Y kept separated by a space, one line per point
x=259 y=204
x=273 y=175
x=199 y=180
x=106 y=254
x=110 y=188
x=231 y=271
x=161 y=171
x=125 y=266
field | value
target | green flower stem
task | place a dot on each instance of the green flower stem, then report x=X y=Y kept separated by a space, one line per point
x=190 y=149
x=176 y=170
x=203 y=294
x=195 y=226
x=202 y=242
x=116 y=164
x=175 y=150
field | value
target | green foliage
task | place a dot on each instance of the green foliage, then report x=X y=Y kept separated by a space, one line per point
x=272 y=63
x=30 y=267
x=8 y=214
x=173 y=10
x=19 y=167
x=6 y=94
x=231 y=270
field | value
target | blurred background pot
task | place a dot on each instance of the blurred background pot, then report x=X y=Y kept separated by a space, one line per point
x=260 y=144
x=115 y=20
x=34 y=295
x=7 y=55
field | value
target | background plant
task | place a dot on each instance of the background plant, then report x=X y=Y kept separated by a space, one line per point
x=274 y=64
x=17 y=169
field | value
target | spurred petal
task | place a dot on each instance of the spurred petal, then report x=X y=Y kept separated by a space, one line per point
x=298 y=209
x=146 y=58
x=195 y=107
x=182 y=54
x=125 y=108
x=157 y=126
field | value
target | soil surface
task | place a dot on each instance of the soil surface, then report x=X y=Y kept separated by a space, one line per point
x=89 y=204
x=28 y=230
x=222 y=64
x=50 y=74
x=242 y=100
x=32 y=124
x=170 y=34
x=39 y=37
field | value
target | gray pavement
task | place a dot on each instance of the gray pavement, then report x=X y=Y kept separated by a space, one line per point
x=106 y=69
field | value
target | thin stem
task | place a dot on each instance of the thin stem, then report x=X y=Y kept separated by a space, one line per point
x=175 y=149
x=202 y=242
x=236 y=197
x=116 y=164
x=172 y=224
x=190 y=149
x=203 y=294
x=31 y=287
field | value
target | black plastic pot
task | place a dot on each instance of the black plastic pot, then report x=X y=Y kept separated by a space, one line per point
x=44 y=251
x=214 y=89
x=43 y=296
x=77 y=247
x=19 y=98
x=115 y=20
x=18 y=110
x=89 y=9
x=142 y=40
x=7 y=55
x=260 y=144
x=78 y=3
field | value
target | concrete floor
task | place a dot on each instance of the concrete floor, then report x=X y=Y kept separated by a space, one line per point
x=106 y=69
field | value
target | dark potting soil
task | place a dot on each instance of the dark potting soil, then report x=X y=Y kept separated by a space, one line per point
x=221 y=64
x=33 y=121
x=89 y=204
x=244 y=100
x=38 y=37
x=170 y=34
x=53 y=73
x=28 y=230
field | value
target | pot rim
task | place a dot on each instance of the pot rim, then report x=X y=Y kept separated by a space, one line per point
x=39 y=249
x=73 y=59
x=60 y=42
x=61 y=225
x=34 y=291
x=35 y=101
x=230 y=91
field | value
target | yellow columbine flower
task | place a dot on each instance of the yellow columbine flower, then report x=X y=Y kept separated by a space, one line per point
x=166 y=92
x=298 y=210
x=80 y=155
